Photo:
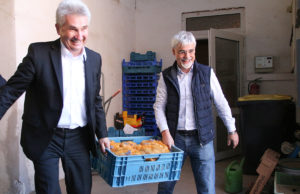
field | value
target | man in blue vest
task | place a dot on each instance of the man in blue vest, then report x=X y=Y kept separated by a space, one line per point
x=184 y=114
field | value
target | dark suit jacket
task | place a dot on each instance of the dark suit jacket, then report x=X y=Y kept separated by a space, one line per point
x=2 y=81
x=40 y=75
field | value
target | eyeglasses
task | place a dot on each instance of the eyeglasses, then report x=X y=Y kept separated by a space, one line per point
x=184 y=52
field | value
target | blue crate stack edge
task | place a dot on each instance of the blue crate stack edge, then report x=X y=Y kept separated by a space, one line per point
x=140 y=79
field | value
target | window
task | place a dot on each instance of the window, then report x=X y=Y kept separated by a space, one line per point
x=216 y=22
x=229 y=19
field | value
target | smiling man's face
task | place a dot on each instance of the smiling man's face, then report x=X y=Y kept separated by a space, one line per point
x=74 y=32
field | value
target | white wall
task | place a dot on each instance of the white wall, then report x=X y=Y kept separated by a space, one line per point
x=9 y=142
x=111 y=33
x=267 y=32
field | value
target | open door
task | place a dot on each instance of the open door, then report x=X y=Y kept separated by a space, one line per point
x=225 y=57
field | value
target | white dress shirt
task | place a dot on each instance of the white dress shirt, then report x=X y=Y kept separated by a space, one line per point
x=186 y=120
x=74 y=109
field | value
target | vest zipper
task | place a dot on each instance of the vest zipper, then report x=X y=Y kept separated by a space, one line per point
x=195 y=111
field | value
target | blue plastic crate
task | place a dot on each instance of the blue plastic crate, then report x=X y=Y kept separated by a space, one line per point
x=140 y=111
x=141 y=69
x=119 y=171
x=147 y=113
x=141 y=66
x=126 y=102
x=139 y=92
x=113 y=132
x=149 y=56
x=139 y=77
x=139 y=132
x=138 y=105
x=152 y=133
x=129 y=99
x=139 y=84
x=150 y=120
x=151 y=127
x=141 y=63
x=151 y=130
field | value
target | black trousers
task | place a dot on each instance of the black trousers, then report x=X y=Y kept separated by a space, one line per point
x=71 y=147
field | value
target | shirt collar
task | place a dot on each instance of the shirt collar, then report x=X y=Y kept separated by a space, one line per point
x=65 y=52
x=180 y=72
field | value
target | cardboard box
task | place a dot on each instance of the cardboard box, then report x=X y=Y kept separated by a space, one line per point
x=268 y=162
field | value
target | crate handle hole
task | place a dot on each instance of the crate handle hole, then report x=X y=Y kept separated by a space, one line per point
x=151 y=158
x=126 y=140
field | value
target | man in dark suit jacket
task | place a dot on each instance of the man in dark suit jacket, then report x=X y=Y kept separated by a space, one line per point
x=62 y=110
x=2 y=81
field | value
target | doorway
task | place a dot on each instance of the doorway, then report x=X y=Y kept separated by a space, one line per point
x=223 y=51
x=226 y=58
x=202 y=51
x=220 y=45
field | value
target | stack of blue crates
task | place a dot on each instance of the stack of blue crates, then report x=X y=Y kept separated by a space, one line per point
x=140 y=79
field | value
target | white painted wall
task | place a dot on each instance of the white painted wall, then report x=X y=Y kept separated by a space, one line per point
x=9 y=141
x=267 y=32
x=111 y=33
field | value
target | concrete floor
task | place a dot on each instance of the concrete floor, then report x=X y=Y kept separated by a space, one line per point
x=184 y=185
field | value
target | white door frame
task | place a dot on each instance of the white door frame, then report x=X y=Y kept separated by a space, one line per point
x=213 y=34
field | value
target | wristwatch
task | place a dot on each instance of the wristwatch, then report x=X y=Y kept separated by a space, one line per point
x=232 y=132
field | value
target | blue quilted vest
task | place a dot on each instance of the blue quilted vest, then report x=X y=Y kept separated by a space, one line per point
x=201 y=97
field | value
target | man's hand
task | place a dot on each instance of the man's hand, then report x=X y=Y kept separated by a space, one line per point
x=104 y=143
x=167 y=138
x=234 y=139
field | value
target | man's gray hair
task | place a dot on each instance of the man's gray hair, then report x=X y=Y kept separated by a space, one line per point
x=67 y=7
x=183 y=38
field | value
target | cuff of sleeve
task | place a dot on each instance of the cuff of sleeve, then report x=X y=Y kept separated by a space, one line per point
x=161 y=130
x=231 y=132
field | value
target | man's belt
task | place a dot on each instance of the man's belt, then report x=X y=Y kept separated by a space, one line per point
x=67 y=129
x=187 y=132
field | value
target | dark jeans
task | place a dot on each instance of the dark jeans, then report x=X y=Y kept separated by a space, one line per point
x=202 y=163
x=71 y=147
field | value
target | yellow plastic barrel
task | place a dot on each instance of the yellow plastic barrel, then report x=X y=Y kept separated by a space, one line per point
x=255 y=97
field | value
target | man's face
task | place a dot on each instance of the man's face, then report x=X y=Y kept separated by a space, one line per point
x=185 y=55
x=74 y=32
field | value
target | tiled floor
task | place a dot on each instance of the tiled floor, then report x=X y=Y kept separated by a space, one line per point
x=185 y=185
